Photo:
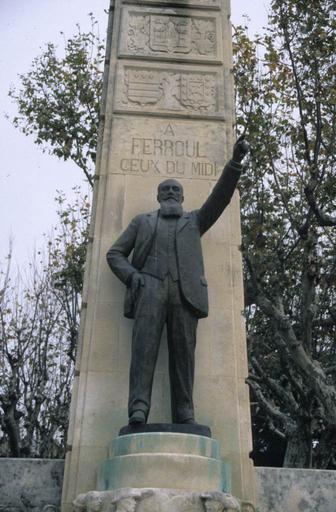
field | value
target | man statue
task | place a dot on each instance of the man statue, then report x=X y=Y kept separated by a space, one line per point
x=166 y=285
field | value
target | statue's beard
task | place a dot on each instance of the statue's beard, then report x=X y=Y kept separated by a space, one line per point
x=171 y=208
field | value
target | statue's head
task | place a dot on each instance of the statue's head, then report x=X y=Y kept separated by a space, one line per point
x=89 y=502
x=170 y=191
x=219 y=501
x=94 y=501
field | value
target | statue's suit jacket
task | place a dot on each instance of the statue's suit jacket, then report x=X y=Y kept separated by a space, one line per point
x=140 y=234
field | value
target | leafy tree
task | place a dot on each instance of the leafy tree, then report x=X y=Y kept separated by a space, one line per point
x=58 y=101
x=285 y=84
x=39 y=317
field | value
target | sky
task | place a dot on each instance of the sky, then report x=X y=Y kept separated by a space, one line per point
x=29 y=178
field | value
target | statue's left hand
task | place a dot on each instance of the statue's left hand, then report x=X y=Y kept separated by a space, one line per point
x=136 y=282
x=240 y=149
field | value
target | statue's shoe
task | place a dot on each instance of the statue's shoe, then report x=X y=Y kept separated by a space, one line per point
x=137 y=418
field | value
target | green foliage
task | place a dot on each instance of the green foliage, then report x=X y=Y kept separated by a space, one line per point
x=285 y=89
x=39 y=318
x=58 y=102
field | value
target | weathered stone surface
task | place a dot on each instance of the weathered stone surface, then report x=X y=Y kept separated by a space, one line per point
x=30 y=485
x=153 y=148
x=164 y=442
x=296 y=490
x=185 y=35
x=155 y=500
x=174 y=460
x=186 y=472
x=164 y=89
x=35 y=485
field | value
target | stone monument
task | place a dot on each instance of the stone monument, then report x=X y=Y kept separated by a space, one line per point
x=167 y=113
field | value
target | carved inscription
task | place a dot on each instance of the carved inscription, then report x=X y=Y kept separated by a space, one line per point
x=168 y=153
x=168 y=90
x=170 y=37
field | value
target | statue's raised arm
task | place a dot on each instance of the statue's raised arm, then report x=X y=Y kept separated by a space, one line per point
x=224 y=188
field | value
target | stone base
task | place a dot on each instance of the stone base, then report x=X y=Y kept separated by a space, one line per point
x=164 y=460
x=158 y=500
x=162 y=472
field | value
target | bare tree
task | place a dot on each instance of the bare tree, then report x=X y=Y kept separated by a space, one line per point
x=39 y=316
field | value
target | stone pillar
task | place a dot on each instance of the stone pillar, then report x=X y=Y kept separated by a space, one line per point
x=167 y=112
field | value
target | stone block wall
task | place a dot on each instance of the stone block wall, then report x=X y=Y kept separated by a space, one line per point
x=34 y=485
x=296 y=490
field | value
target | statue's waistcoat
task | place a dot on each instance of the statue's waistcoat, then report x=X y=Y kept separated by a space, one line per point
x=162 y=259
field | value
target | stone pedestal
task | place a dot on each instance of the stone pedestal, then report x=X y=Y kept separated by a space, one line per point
x=167 y=112
x=164 y=460
x=162 y=472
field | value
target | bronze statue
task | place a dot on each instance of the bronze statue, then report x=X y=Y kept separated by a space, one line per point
x=166 y=285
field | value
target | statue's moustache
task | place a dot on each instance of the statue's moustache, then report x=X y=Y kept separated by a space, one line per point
x=169 y=198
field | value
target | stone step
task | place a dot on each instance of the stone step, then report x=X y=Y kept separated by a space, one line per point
x=175 y=471
x=164 y=443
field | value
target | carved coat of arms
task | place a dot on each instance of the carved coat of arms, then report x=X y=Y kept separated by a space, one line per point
x=170 y=34
x=170 y=90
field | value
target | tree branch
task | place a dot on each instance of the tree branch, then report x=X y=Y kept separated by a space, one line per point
x=322 y=218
